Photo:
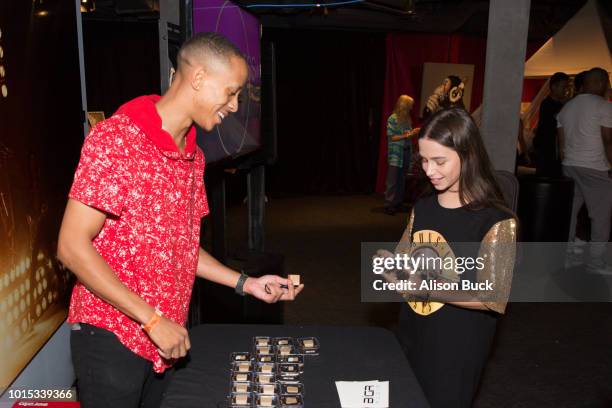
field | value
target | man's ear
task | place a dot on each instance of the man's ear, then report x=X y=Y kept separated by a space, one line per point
x=198 y=77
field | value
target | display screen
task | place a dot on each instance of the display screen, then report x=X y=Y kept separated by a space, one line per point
x=240 y=132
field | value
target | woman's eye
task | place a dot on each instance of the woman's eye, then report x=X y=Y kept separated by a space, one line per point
x=441 y=163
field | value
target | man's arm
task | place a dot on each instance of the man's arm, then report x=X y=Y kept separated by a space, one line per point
x=606 y=136
x=75 y=250
x=266 y=288
x=561 y=143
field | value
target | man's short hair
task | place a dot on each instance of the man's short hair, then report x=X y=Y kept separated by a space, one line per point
x=558 y=77
x=206 y=47
x=579 y=80
x=598 y=73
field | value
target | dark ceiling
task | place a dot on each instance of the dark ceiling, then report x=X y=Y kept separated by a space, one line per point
x=438 y=16
x=432 y=16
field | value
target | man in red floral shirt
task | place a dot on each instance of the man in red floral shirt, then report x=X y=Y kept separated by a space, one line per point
x=131 y=231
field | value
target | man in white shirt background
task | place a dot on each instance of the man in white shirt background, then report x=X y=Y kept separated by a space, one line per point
x=585 y=137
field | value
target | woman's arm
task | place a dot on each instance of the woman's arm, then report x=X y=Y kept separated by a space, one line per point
x=499 y=251
x=405 y=135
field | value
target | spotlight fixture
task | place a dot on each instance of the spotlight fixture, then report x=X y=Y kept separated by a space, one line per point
x=304 y=5
x=409 y=6
x=39 y=8
x=3 y=79
x=87 y=6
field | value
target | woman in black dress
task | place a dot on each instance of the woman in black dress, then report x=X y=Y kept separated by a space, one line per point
x=448 y=342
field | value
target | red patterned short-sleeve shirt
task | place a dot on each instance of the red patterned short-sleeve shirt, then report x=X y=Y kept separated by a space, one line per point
x=154 y=198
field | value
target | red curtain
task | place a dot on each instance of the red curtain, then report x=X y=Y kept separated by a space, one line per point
x=406 y=54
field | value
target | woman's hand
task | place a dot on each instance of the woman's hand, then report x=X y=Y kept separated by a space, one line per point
x=411 y=133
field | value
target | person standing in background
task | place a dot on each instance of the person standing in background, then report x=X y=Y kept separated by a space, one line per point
x=579 y=82
x=545 y=140
x=585 y=136
x=399 y=130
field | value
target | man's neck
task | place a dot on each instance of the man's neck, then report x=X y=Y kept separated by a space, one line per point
x=174 y=120
x=555 y=98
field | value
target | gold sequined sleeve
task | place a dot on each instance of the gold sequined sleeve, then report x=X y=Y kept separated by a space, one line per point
x=403 y=245
x=498 y=249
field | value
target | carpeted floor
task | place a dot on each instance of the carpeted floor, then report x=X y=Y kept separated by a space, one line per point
x=546 y=355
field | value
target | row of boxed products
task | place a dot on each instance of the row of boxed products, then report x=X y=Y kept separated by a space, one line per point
x=270 y=375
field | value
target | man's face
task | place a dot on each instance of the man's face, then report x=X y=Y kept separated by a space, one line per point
x=560 y=89
x=217 y=95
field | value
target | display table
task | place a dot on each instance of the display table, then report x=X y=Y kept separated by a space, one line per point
x=346 y=354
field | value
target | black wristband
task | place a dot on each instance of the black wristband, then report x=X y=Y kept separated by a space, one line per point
x=240 y=284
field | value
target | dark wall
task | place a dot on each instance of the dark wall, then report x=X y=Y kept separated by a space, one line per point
x=121 y=62
x=41 y=117
x=40 y=121
x=329 y=90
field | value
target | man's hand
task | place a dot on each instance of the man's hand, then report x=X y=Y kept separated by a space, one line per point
x=268 y=288
x=171 y=339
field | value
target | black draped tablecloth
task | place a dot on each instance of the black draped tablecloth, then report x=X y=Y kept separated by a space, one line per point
x=346 y=354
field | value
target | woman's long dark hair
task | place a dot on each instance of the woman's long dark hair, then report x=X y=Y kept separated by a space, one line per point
x=455 y=129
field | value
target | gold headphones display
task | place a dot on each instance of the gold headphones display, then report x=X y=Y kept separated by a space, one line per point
x=456 y=93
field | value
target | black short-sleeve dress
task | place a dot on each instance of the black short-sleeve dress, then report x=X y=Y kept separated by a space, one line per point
x=448 y=349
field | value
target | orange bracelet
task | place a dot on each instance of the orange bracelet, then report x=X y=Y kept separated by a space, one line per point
x=150 y=325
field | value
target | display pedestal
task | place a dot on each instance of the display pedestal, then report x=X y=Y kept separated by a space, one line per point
x=545 y=208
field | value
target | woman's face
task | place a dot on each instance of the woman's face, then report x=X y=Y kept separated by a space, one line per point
x=441 y=164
